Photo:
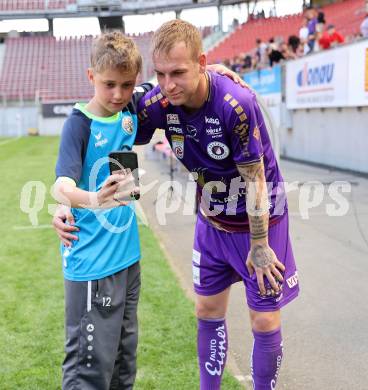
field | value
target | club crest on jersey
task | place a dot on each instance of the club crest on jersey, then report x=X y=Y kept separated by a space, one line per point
x=172 y=119
x=127 y=124
x=217 y=150
x=164 y=102
x=177 y=142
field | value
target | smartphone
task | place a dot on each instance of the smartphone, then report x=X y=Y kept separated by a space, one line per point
x=122 y=160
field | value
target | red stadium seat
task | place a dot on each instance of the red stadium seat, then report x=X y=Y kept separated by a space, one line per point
x=34 y=5
x=346 y=16
x=52 y=69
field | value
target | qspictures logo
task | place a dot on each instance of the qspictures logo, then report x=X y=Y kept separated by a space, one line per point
x=366 y=69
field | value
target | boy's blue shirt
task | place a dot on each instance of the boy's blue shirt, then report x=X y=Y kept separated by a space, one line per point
x=108 y=238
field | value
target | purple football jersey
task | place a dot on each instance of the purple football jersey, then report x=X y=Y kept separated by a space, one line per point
x=228 y=130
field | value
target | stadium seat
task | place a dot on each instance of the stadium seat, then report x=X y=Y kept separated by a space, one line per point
x=346 y=16
x=53 y=69
x=34 y=5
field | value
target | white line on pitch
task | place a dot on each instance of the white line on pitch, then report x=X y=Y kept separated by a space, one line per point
x=30 y=227
x=9 y=140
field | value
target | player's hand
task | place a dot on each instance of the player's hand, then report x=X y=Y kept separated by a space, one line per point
x=222 y=69
x=63 y=229
x=117 y=188
x=263 y=261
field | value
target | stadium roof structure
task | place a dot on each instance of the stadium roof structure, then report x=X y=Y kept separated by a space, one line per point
x=50 y=9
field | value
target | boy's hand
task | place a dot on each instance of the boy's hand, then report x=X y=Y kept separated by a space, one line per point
x=64 y=230
x=222 y=69
x=117 y=189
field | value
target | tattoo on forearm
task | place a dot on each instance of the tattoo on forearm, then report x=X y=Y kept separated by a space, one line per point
x=259 y=227
x=251 y=172
x=257 y=199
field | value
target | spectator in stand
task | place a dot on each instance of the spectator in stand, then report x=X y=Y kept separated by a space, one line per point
x=321 y=22
x=248 y=62
x=311 y=15
x=237 y=65
x=261 y=14
x=303 y=35
x=235 y=23
x=364 y=27
x=261 y=53
x=330 y=38
x=227 y=63
x=296 y=49
x=285 y=52
x=274 y=54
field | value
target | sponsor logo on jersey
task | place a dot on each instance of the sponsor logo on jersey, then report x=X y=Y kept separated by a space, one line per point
x=172 y=119
x=100 y=141
x=98 y=136
x=214 y=132
x=127 y=124
x=217 y=150
x=212 y=121
x=177 y=142
x=293 y=280
x=192 y=133
x=177 y=130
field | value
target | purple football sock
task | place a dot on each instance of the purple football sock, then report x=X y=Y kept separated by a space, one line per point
x=266 y=359
x=212 y=348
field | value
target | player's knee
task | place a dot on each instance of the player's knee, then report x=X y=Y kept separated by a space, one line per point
x=206 y=310
x=265 y=322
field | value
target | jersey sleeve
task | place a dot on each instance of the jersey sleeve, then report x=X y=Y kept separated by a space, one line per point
x=138 y=93
x=73 y=147
x=151 y=115
x=248 y=123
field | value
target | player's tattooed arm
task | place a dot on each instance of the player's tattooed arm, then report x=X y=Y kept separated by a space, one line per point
x=261 y=258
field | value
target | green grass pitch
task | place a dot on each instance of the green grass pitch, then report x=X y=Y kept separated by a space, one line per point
x=31 y=291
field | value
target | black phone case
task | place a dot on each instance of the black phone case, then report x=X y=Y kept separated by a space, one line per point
x=122 y=160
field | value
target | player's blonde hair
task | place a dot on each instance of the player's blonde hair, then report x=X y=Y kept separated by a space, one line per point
x=113 y=50
x=173 y=32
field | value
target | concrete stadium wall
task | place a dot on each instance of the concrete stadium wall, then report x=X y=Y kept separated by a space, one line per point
x=50 y=126
x=16 y=120
x=330 y=136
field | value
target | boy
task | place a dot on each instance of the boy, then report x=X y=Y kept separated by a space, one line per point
x=101 y=268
